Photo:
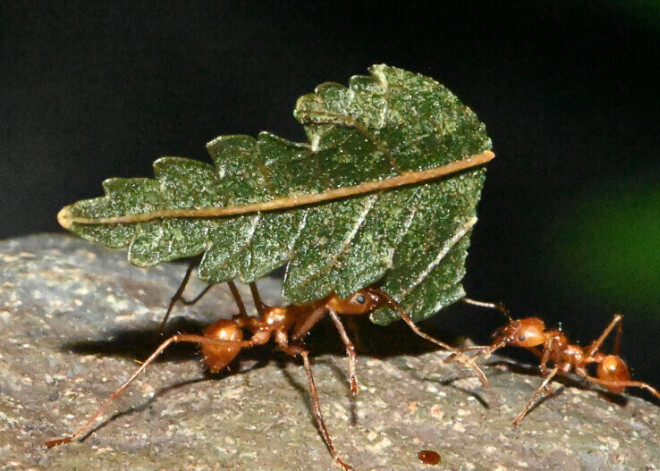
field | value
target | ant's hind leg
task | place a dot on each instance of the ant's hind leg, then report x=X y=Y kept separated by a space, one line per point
x=610 y=384
x=595 y=346
x=617 y=338
x=294 y=351
x=119 y=391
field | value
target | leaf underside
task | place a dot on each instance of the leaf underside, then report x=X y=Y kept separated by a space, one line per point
x=413 y=240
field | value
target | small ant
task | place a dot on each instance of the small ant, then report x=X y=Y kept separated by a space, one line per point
x=552 y=346
x=223 y=340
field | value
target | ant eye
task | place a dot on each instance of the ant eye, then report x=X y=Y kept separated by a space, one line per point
x=521 y=338
x=360 y=299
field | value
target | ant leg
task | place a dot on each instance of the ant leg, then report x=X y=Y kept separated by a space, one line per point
x=466 y=361
x=257 y=299
x=350 y=350
x=625 y=384
x=178 y=295
x=354 y=328
x=294 y=351
x=119 y=391
x=617 y=339
x=237 y=297
x=485 y=350
x=536 y=395
x=198 y=297
x=595 y=346
x=544 y=357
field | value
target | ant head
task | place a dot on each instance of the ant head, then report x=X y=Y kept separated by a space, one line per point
x=361 y=302
x=530 y=332
x=527 y=332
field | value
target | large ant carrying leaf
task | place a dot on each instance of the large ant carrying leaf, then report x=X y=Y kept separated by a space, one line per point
x=371 y=216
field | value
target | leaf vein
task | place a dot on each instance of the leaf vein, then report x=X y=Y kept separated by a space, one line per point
x=444 y=250
x=359 y=222
x=245 y=244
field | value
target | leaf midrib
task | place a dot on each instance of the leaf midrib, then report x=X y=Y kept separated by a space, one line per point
x=66 y=218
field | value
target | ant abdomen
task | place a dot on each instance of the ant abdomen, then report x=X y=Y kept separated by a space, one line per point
x=613 y=369
x=217 y=357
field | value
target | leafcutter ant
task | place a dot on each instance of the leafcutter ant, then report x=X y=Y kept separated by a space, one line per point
x=223 y=340
x=558 y=356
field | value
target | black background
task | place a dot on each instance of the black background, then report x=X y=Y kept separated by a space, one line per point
x=568 y=89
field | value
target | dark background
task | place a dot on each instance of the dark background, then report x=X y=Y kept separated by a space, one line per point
x=570 y=216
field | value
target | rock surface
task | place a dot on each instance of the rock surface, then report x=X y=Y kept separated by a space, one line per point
x=76 y=318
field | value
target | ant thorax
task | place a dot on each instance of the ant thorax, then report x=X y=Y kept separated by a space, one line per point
x=557 y=344
x=275 y=315
x=569 y=357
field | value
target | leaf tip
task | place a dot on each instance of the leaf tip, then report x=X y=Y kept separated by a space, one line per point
x=64 y=217
x=488 y=155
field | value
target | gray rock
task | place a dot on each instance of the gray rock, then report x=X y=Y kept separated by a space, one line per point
x=77 y=317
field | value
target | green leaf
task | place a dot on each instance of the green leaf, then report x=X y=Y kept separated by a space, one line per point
x=385 y=191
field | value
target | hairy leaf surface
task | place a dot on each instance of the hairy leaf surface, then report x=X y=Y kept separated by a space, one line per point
x=384 y=191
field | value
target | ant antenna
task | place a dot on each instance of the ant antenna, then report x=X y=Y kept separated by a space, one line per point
x=498 y=306
x=466 y=361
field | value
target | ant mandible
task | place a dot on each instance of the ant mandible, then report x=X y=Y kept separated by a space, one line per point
x=552 y=347
x=223 y=340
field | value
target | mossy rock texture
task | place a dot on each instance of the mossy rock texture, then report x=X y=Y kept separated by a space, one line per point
x=76 y=318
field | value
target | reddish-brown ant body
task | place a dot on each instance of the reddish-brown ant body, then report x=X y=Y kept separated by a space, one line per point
x=553 y=348
x=223 y=340
x=429 y=457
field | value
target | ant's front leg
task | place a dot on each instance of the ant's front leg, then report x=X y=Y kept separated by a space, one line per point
x=545 y=356
x=350 y=350
x=536 y=395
